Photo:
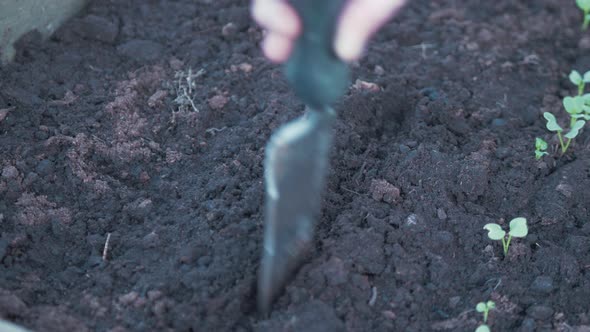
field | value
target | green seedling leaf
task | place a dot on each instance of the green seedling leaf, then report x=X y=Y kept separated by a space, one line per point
x=540 y=144
x=518 y=227
x=481 y=307
x=583 y=4
x=580 y=103
x=491 y=304
x=575 y=77
x=540 y=154
x=540 y=147
x=573 y=105
x=483 y=328
x=586 y=77
x=575 y=129
x=551 y=122
x=581 y=116
x=495 y=232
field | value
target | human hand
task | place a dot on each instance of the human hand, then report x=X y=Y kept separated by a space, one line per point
x=360 y=19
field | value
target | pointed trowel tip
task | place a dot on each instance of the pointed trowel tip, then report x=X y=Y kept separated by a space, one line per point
x=276 y=269
x=264 y=297
x=271 y=281
x=264 y=302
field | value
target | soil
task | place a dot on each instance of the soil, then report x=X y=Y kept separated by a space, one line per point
x=128 y=205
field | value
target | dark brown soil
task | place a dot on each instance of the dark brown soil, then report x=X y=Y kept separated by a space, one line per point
x=93 y=143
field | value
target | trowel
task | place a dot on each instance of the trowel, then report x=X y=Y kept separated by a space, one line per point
x=297 y=155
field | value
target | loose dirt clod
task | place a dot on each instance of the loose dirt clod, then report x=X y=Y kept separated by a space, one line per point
x=382 y=190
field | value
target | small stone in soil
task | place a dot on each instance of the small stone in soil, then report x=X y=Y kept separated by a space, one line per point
x=528 y=325
x=157 y=98
x=404 y=148
x=4 y=113
x=542 y=284
x=151 y=240
x=540 y=312
x=140 y=208
x=229 y=29
x=217 y=102
x=389 y=314
x=379 y=70
x=154 y=295
x=245 y=67
x=9 y=172
x=367 y=86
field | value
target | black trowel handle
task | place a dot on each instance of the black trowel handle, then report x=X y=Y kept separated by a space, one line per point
x=314 y=71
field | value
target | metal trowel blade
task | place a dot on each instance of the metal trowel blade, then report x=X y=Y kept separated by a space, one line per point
x=295 y=170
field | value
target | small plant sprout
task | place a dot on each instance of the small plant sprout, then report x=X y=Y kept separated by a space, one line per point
x=578 y=80
x=484 y=308
x=578 y=110
x=585 y=7
x=540 y=148
x=577 y=107
x=518 y=228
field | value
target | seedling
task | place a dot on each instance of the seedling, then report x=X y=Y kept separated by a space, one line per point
x=585 y=7
x=518 y=228
x=577 y=107
x=578 y=80
x=484 y=307
x=540 y=148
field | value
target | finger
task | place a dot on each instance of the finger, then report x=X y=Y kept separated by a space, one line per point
x=277 y=17
x=277 y=47
x=361 y=19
